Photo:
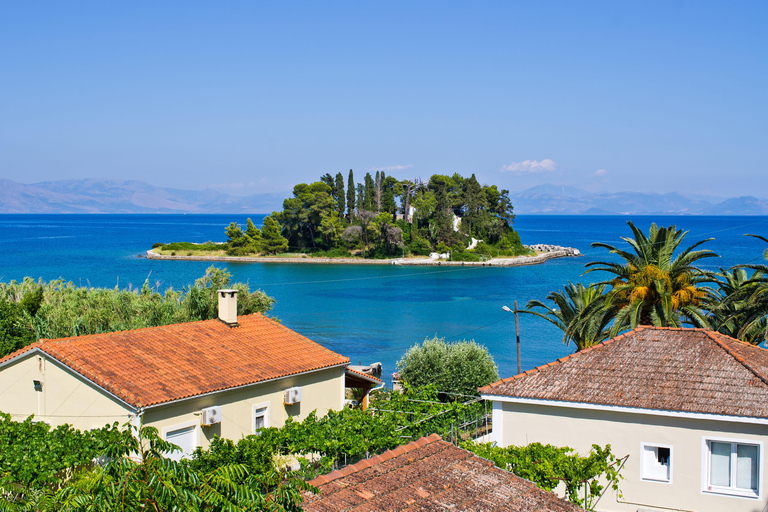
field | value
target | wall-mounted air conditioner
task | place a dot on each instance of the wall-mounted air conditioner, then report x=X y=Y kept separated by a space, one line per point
x=292 y=396
x=210 y=415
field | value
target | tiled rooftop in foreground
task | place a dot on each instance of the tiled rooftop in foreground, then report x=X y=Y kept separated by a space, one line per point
x=429 y=475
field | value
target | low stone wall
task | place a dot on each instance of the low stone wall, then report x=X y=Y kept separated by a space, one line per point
x=495 y=262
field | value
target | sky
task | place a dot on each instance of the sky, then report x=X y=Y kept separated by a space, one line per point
x=254 y=97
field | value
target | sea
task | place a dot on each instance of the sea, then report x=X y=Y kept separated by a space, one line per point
x=369 y=313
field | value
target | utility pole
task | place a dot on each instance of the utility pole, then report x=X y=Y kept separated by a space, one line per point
x=517 y=338
x=517 y=334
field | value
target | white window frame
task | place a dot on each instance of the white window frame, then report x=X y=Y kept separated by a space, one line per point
x=706 y=488
x=180 y=426
x=642 y=464
x=256 y=407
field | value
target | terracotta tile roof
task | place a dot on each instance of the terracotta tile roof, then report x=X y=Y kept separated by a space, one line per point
x=154 y=365
x=364 y=376
x=684 y=370
x=425 y=475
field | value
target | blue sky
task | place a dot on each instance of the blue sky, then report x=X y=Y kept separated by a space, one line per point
x=250 y=97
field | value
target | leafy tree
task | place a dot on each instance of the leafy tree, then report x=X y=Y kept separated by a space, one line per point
x=578 y=311
x=272 y=239
x=235 y=235
x=350 y=196
x=653 y=286
x=459 y=367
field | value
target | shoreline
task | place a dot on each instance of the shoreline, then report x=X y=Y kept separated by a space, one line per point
x=516 y=261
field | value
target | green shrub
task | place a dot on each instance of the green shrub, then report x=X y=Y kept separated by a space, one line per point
x=420 y=247
x=338 y=252
x=188 y=246
x=548 y=466
x=458 y=367
x=467 y=256
x=157 y=244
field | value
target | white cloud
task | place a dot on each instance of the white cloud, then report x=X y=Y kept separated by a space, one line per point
x=390 y=168
x=530 y=166
x=601 y=172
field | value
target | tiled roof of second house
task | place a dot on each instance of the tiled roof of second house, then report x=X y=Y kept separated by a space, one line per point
x=154 y=365
x=429 y=475
x=683 y=370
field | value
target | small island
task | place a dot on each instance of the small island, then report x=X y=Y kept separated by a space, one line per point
x=447 y=220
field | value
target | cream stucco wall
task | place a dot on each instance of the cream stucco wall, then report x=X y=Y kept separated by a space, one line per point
x=520 y=424
x=66 y=397
x=321 y=390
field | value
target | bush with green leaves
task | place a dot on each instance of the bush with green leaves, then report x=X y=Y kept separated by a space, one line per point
x=35 y=456
x=584 y=477
x=452 y=367
x=137 y=475
x=30 y=310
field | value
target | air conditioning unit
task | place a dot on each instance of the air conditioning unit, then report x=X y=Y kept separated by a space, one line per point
x=292 y=396
x=210 y=415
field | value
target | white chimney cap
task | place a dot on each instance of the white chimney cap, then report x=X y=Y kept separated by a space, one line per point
x=228 y=306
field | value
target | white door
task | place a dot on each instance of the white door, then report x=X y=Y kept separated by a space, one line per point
x=184 y=438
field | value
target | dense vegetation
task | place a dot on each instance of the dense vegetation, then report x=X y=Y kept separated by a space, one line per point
x=375 y=219
x=30 y=310
x=658 y=284
x=585 y=477
x=454 y=368
x=63 y=469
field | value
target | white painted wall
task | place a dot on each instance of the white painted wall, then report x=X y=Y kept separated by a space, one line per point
x=580 y=428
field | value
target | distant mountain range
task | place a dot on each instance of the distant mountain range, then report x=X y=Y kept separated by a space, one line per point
x=118 y=196
x=561 y=200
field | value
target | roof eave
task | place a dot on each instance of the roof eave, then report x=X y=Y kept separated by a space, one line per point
x=624 y=409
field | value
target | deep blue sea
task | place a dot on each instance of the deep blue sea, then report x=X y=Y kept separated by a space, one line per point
x=368 y=313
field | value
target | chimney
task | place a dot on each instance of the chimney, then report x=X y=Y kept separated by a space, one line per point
x=228 y=307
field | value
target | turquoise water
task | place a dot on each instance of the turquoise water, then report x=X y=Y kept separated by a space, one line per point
x=368 y=313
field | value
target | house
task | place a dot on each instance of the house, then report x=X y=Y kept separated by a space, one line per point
x=429 y=474
x=229 y=376
x=689 y=407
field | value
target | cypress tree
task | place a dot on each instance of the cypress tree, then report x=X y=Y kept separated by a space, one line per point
x=350 y=195
x=360 y=197
x=369 y=192
x=339 y=193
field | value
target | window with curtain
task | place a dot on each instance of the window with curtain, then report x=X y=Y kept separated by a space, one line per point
x=733 y=468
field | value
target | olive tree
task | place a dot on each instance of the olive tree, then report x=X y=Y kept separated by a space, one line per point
x=454 y=367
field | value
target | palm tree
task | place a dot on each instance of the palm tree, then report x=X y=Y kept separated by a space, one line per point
x=735 y=309
x=579 y=312
x=653 y=286
x=752 y=301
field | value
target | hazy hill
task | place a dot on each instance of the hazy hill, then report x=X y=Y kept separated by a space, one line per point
x=561 y=200
x=117 y=196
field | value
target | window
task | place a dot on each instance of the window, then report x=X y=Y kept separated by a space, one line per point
x=260 y=417
x=656 y=463
x=732 y=467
